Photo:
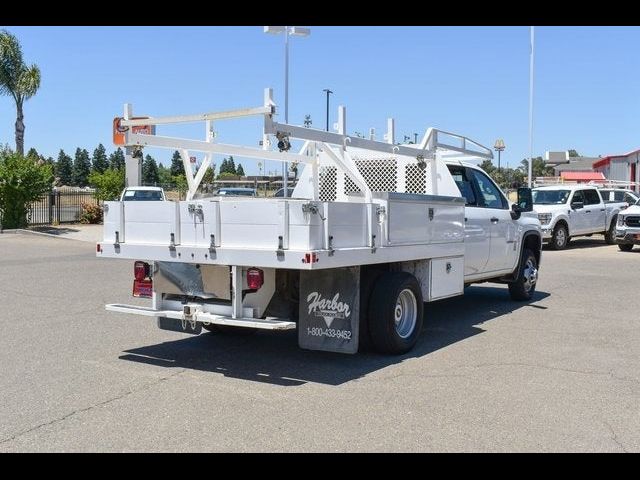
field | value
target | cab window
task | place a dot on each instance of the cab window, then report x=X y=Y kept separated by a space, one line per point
x=459 y=175
x=578 y=196
x=489 y=195
x=591 y=197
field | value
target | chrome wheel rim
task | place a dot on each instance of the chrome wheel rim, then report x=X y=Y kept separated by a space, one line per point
x=561 y=237
x=405 y=313
x=530 y=275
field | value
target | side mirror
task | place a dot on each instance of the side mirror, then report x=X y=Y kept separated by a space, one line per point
x=516 y=211
x=525 y=199
x=577 y=205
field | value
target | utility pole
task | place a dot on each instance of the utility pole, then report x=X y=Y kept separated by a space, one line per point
x=328 y=93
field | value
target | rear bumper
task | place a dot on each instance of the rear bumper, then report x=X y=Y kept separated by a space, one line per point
x=194 y=314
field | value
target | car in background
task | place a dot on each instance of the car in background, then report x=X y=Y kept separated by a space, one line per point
x=567 y=211
x=610 y=195
x=145 y=194
x=237 y=192
x=280 y=193
x=628 y=228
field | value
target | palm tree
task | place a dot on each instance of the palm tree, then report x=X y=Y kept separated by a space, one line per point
x=17 y=79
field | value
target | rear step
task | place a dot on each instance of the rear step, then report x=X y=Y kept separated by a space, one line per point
x=204 y=317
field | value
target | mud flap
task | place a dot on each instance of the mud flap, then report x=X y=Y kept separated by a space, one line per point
x=330 y=310
x=182 y=326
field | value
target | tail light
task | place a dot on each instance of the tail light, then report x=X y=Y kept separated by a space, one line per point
x=142 y=283
x=255 y=278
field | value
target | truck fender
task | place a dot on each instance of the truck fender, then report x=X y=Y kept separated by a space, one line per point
x=561 y=218
x=531 y=239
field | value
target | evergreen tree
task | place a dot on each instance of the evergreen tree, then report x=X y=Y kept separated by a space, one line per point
x=116 y=159
x=81 y=168
x=232 y=165
x=164 y=175
x=177 y=167
x=64 y=168
x=100 y=162
x=224 y=166
x=240 y=170
x=33 y=154
x=150 y=175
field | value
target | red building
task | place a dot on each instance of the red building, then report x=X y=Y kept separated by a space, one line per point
x=622 y=168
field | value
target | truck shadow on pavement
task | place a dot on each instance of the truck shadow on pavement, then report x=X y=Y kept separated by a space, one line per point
x=275 y=358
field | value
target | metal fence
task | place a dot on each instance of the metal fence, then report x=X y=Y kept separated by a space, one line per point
x=60 y=207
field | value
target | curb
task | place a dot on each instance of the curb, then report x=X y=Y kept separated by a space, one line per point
x=62 y=237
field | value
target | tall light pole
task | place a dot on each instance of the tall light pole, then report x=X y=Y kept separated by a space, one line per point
x=328 y=93
x=499 y=147
x=297 y=32
x=531 y=108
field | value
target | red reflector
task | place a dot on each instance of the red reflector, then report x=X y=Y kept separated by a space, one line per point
x=140 y=270
x=143 y=288
x=98 y=248
x=255 y=278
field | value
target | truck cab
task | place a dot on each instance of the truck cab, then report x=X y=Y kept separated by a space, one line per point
x=567 y=211
x=496 y=231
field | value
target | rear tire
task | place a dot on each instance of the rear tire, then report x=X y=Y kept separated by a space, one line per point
x=610 y=235
x=395 y=313
x=229 y=330
x=560 y=238
x=524 y=287
x=625 y=247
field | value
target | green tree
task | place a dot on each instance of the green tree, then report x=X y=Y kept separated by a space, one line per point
x=99 y=161
x=224 y=166
x=81 y=168
x=307 y=121
x=177 y=167
x=116 y=159
x=209 y=176
x=487 y=166
x=108 y=184
x=150 y=174
x=232 y=165
x=573 y=153
x=22 y=181
x=64 y=169
x=538 y=168
x=240 y=170
x=226 y=176
x=33 y=154
x=17 y=80
x=181 y=184
x=164 y=175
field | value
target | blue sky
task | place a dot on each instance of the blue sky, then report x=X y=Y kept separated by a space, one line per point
x=469 y=80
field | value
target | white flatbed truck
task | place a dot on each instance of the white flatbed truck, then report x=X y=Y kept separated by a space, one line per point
x=373 y=229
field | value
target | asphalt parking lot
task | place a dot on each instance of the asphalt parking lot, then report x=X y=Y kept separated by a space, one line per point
x=561 y=373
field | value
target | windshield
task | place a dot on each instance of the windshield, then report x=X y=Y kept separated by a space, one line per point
x=144 y=195
x=550 y=197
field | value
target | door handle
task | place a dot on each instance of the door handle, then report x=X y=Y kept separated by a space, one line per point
x=602 y=209
x=465 y=219
x=494 y=220
x=587 y=211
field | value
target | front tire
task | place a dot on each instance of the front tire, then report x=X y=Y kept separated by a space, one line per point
x=610 y=235
x=625 y=247
x=524 y=287
x=560 y=237
x=395 y=313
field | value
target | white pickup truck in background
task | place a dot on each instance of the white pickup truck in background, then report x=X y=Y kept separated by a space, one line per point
x=628 y=228
x=567 y=211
